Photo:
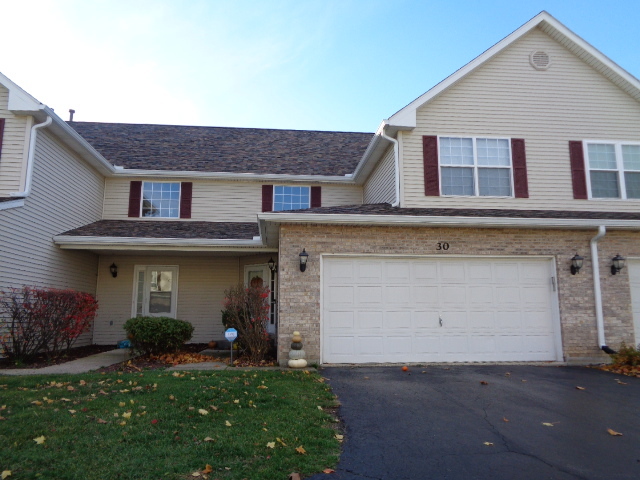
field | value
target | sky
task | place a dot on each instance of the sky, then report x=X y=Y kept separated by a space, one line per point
x=340 y=65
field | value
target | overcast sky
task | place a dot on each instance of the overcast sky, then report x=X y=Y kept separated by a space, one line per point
x=316 y=65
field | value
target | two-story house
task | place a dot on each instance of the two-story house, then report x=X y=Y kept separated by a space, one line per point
x=485 y=221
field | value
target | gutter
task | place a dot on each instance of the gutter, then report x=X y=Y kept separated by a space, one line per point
x=30 y=155
x=597 y=290
x=396 y=156
x=68 y=240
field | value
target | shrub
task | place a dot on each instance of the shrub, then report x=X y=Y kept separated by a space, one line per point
x=626 y=356
x=157 y=334
x=43 y=319
x=246 y=309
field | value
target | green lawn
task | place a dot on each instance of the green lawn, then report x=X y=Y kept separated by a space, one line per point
x=164 y=425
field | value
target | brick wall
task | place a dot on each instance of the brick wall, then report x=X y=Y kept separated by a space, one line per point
x=299 y=300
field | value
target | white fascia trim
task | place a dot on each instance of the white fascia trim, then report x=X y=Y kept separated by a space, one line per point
x=434 y=221
x=258 y=177
x=12 y=204
x=407 y=115
x=168 y=242
x=19 y=100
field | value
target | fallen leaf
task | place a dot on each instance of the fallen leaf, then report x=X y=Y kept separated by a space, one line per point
x=121 y=404
x=580 y=388
x=202 y=411
x=5 y=474
x=488 y=444
x=339 y=437
x=328 y=470
x=40 y=440
x=546 y=424
x=236 y=401
x=126 y=415
x=271 y=444
x=70 y=388
x=301 y=450
x=294 y=476
x=207 y=469
x=101 y=421
x=280 y=440
x=72 y=412
x=482 y=382
x=123 y=423
x=154 y=421
x=171 y=397
x=505 y=419
x=620 y=383
x=614 y=433
x=195 y=474
x=209 y=439
x=82 y=382
x=227 y=423
x=37 y=402
x=262 y=386
x=319 y=407
x=65 y=400
x=523 y=380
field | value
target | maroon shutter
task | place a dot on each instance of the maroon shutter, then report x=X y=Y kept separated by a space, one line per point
x=186 y=191
x=267 y=198
x=316 y=197
x=430 y=158
x=1 y=134
x=135 y=196
x=519 y=157
x=578 y=175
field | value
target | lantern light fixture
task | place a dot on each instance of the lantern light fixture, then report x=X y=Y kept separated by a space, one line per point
x=304 y=256
x=576 y=263
x=114 y=270
x=272 y=265
x=617 y=264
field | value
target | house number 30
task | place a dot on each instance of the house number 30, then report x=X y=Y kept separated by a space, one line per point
x=442 y=246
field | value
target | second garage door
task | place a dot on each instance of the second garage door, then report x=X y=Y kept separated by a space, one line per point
x=389 y=309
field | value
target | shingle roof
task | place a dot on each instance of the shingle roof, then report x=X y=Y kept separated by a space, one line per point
x=221 y=149
x=166 y=229
x=387 y=209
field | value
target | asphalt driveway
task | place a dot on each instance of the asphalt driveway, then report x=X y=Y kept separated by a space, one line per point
x=433 y=422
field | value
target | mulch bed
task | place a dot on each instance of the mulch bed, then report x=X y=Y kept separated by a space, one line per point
x=41 y=360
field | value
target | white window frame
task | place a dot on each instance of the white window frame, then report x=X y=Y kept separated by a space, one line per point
x=622 y=186
x=142 y=200
x=475 y=166
x=273 y=203
x=145 y=299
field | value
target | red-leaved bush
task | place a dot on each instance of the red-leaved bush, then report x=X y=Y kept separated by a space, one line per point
x=46 y=320
x=247 y=310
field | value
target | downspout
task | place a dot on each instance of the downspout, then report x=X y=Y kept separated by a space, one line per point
x=596 y=289
x=396 y=154
x=31 y=154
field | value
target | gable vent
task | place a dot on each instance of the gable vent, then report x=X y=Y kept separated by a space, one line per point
x=540 y=60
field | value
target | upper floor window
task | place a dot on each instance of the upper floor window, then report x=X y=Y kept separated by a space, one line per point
x=290 y=198
x=161 y=199
x=614 y=170
x=475 y=167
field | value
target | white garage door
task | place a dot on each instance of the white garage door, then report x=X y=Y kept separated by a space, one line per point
x=391 y=309
x=634 y=280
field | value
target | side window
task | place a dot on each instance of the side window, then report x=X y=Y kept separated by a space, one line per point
x=614 y=170
x=290 y=198
x=475 y=167
x=161 y=199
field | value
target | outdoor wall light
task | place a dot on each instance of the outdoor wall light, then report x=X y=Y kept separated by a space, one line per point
x=304 y=256
x=576 y=264
x=272 y=265
x=114 y=270
x=617 y=264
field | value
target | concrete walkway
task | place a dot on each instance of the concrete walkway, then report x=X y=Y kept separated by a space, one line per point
x=81 y=365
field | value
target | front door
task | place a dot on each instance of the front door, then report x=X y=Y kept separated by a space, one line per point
x=155 y=291
x=260 y=276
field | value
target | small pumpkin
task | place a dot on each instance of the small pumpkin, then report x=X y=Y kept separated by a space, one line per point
x=299 y=363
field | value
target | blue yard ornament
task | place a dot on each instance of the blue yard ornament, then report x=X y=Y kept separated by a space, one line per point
x=231 y=334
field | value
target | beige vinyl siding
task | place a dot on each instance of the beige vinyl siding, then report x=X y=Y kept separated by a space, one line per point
x=217 y=201
x=66 y=194
x=201 y=285
x=507 y=97
x=380 y=186
x=15 y=145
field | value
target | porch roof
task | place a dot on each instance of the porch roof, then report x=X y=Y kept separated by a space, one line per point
x=154 y=235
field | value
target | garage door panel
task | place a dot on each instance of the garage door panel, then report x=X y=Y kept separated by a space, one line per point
x=366 y=295
x=381 y=309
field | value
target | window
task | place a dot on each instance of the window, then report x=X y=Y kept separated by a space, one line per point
x=614 y=170
x=156 y=290
x=161 y=199
x=290 y=198
x=475 y=167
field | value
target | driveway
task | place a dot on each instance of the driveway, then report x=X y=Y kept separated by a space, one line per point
x=433 y=422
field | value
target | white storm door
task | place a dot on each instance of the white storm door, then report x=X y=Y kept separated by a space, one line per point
x=634 y=284
x=155 y=291
x=260 y=275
